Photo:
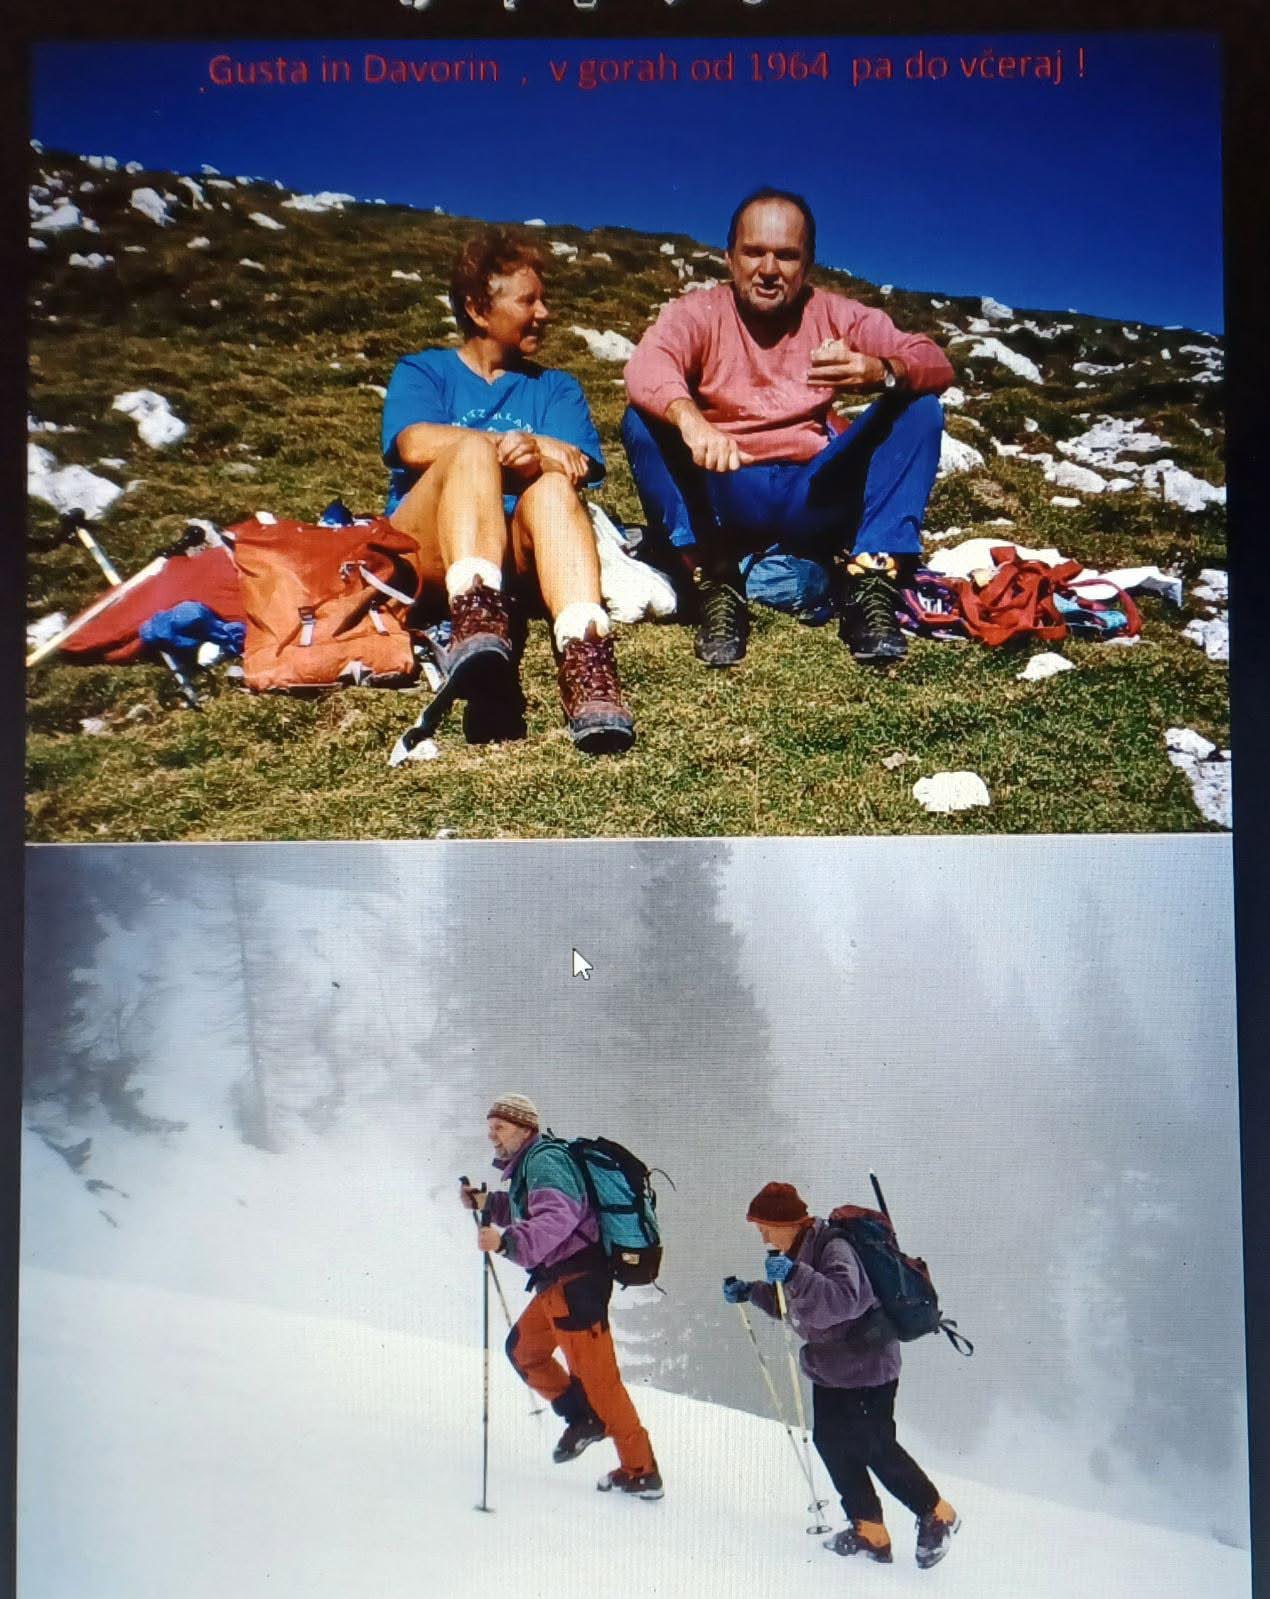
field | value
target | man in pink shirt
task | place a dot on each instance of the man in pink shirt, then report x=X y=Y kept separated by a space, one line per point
x=737 y=465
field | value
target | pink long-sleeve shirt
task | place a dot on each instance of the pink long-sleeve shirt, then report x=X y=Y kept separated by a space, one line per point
x=700 y=349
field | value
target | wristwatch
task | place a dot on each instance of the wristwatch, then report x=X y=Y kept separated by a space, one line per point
x=889 y=379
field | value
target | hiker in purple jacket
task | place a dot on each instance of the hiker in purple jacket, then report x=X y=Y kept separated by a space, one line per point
x=815 y=1279
x=544 y=1222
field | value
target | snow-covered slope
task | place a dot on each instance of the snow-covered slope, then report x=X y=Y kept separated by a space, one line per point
x=174 y=1444
x=213 y=1402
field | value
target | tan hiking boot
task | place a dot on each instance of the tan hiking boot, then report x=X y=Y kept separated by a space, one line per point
x=868 y=1538
x=591 y=693
x=934 y=1534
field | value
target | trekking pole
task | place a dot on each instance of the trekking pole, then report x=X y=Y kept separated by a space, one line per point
x=74 y=526
x=482 y=1220
x=877 y=1189
x=816 y=1504
x=779 y=1410
x=534 y=1410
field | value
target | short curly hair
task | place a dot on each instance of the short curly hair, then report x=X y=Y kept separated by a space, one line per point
x=489 y=255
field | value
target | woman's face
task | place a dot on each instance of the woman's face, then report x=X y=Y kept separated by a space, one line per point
x=517 y=315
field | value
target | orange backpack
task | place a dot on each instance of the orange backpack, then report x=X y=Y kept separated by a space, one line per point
x=326 y=606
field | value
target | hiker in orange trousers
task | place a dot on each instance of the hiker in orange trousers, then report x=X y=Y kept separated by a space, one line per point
x=545 y=1223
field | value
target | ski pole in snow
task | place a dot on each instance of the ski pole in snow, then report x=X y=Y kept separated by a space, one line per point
x=482 y=1220
x=816 y=1504
x=803 y=1464
x=534 y=1409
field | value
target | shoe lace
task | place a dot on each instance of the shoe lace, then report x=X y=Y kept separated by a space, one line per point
x=875 y=596
x=721 y=610
x=591 y=669
x=477 y=607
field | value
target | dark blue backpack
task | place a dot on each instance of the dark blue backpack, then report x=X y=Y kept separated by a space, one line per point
x=906 y=1294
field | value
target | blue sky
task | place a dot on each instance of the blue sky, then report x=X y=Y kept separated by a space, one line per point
x=1101 y=192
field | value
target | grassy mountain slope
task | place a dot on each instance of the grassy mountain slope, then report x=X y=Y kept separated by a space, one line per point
x=274 y=345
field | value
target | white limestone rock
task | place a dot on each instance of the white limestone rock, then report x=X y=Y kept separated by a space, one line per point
x=151 y=204
x=1042 y=666
x=994 y=350
x=951 y=791
x=606 y=346
x=156 y=422
x=1207 y=770
x=955 y=456
x=68 y=487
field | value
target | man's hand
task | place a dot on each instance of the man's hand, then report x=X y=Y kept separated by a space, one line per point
x=519 y=454
x=836 y=366
x=473 y=1198
x=557 y=456
x=709 y=446
x=735 y=1291
x=488 y=1240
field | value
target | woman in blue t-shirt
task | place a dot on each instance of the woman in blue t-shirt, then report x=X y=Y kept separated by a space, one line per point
x=487 y=451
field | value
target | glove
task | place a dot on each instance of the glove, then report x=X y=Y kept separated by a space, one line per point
x=778 y=1268
x=735 y=1291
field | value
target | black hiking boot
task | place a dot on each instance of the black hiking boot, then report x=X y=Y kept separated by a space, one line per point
x=724 y=625
x=868 y=625
x=576 y=1437
x=934 y=1534
x=850 y=1542
x=641 y=1484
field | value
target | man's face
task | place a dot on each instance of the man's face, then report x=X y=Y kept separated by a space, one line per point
x=778 y=1235
x=769 y=261
x=507 y=1137
x=517 y=314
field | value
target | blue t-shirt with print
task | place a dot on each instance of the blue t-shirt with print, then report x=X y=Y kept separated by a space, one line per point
x=436 y=386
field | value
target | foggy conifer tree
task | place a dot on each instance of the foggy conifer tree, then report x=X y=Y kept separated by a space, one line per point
x=691 y=1049
x=83 y=1032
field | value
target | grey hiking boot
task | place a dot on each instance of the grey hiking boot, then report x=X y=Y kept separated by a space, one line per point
x=871 y=594
x=934 y=1534
x=724 y=624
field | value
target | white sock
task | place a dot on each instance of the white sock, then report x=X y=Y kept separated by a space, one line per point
x=574 y=620
x=461 y=576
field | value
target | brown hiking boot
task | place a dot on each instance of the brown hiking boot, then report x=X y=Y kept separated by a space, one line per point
x=868 y=1538
x=479 y=664
x=591 y=694
x=480 y=624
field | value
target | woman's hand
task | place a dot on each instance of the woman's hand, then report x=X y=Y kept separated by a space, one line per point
x=519 y=454
x=558 y=456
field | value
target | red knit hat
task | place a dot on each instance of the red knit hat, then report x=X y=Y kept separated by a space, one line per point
x=778 y=1204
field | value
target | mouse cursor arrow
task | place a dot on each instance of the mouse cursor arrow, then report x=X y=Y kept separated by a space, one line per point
x=581 y=967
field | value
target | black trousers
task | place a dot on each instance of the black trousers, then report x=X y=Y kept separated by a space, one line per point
x=854 y=1434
